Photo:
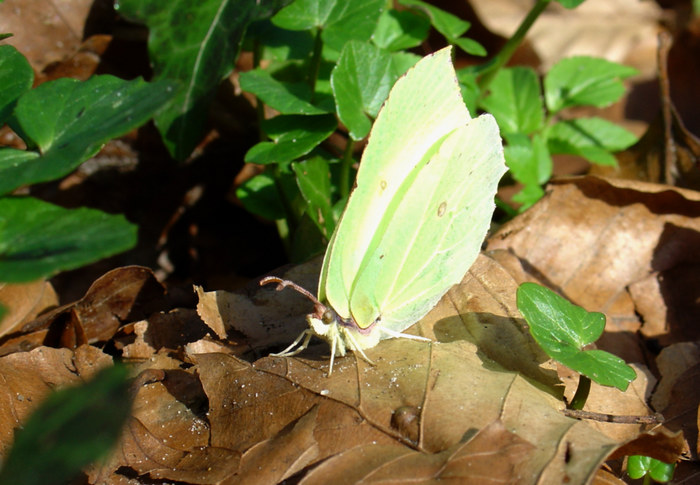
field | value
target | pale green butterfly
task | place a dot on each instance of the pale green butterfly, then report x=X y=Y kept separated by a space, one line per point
x=414 y=223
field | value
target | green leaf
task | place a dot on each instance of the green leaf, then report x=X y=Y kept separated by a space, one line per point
x=583 y=81
x=195 y=44
x=528 y=196
x=279 y=44
x=293 y=136
x=70 y=120
x=260 y=196
x=16 y=77
x=285 y=97
x=570 y=3
x=307 y=240
x=71 y=429
x=514 y=100
x=470 y=46
x=592 y=138
x=38 y=239
x=531 y=165
x=639 y=466
x=444 y=22
x=314 y=181
x=361 y=82
x=398 y=30
x=562 y=329
x=340 y=21
x=469 y=88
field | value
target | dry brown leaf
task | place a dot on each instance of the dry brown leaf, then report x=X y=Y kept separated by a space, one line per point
x=591 y=239
x=632 y=402
x=480 y=368
x=278 y=458
x=29 y=376
x=168 y=436
x=681 y=414
x=265 y=318
x=45 y=32
x=172 y=331
x=604 y=477
x=618 y=30
x=493 y=455
x=659 y=443
x=672 y=362
x=24 y=302
x=122 y=295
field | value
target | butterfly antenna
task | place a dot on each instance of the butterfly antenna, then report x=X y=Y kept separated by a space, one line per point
x=282 y=284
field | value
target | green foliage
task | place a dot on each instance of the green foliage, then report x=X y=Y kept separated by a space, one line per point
x=563 y=329
x=325 y=65
x=63 y=123
x=356 y=55
x=644 y=466
x=72 y=428
x=195 y=44
x=39 y=239
x=535 y=130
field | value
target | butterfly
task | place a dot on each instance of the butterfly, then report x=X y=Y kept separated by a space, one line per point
x=415 y=221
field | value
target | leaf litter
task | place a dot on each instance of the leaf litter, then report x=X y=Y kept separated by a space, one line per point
x=482 y=399
x=212 y=408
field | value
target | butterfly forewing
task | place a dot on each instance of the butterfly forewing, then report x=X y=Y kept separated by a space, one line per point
x=422 y=109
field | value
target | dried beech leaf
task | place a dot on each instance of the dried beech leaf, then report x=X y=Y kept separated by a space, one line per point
x=121 y=295
x=168 y=436
x=591 y=238
x=265 y=317
x=29 y=376
x=618 y=30
x=672 y=362
x=681 y=414
x=660 y=443
x=172 y=330
x=278 y=458
x=24 y=301
x=44 y=33
x=493 y=455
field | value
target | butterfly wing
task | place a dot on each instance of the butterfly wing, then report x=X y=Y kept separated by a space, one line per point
x=423 y=108
x=434 y=230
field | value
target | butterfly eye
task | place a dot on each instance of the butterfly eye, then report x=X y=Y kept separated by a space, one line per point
x=328 y=317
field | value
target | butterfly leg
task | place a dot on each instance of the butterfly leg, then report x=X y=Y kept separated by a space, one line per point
x=288 y=352
x=394 y=334
x=356 y=347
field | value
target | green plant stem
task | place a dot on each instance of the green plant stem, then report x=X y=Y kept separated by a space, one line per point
x=584 y=387
x=315 y=63
x=345 y=169
x=491 y=69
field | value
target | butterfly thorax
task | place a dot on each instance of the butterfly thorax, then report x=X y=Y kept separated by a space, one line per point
x=342 y=334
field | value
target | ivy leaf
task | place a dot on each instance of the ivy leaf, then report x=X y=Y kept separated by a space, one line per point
x=584 y=81
x=195 y=44
x=292 y=137
x=563 y=329
x=69 y=121
x=38 y=239
x=340 y=21
x=514 y=100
